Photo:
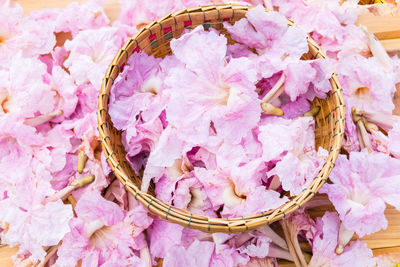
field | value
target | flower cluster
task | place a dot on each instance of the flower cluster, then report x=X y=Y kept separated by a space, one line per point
x=221 y=128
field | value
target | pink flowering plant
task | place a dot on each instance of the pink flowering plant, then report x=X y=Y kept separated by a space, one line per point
x=220 y=129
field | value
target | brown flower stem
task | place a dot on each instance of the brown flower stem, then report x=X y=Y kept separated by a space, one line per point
x=289 y=244
x=296 y=245
x=275 y=91
x=72 y=201
x=35 y=121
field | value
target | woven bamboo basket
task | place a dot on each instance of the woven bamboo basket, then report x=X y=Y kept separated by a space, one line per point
x=154 y=40
x=371 y=2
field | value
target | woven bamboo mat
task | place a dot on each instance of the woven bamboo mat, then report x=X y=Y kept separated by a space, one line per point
x=386 y=29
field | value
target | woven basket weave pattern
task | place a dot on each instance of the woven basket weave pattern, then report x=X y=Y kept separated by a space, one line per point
x=154 y=40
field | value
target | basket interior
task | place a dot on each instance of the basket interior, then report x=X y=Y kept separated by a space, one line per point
x=154 y=39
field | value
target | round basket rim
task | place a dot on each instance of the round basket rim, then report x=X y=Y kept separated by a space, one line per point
x=115 y=152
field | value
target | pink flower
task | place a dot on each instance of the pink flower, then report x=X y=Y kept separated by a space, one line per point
x=26 y=84
x=91 y=51
x=329 y=20
x=239 y=191
x=166 y=151
x=66 y=93
x=279 y=135
x=137 y=93
x=21 y=202
x=269 y=33
x=325 y=242
x=206 y=90
x=10 y=15
x=77 y=17
x=350 y=140
x=197 y=254
x=190 y=195
x=140 y=139
x=42 y=225
x=102 y=233
x=309 y=77
x=163 y=236
x=291 y=142
x=361 y=186
x=366 y=85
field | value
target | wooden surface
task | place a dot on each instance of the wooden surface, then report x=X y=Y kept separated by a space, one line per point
x=386 y=28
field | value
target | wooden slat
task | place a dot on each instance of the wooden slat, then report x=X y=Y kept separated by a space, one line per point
x=392 y=46
x=111 y=7
x=5 y=255
x=384 y=27
x=396 y=101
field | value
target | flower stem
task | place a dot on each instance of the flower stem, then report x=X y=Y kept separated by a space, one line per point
x=291 y=247
x=383 y=120
x=364 y=141
x=65 y=192
x=361 y=130
x=277 y=239
x=278 y=252
x=378 y=50
x=275 y=91
x=145 y=254
x=35 y=121
x=370 y=126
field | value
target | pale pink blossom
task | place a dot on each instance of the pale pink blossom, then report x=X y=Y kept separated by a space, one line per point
x=205 y=89
x=366 y=85
x=361 y=187
x=197 y=254
x=138 y=91
x=77 y=17
x=325 y=242
x=291 y=144
x=102 y=233
x=91 y=51
x=236 y=192
x=23 y=211
x=329 y=20
x=269 y=33
x=25 y=83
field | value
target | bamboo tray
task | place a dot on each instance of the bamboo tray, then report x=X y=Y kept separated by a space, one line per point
x=385 y=28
